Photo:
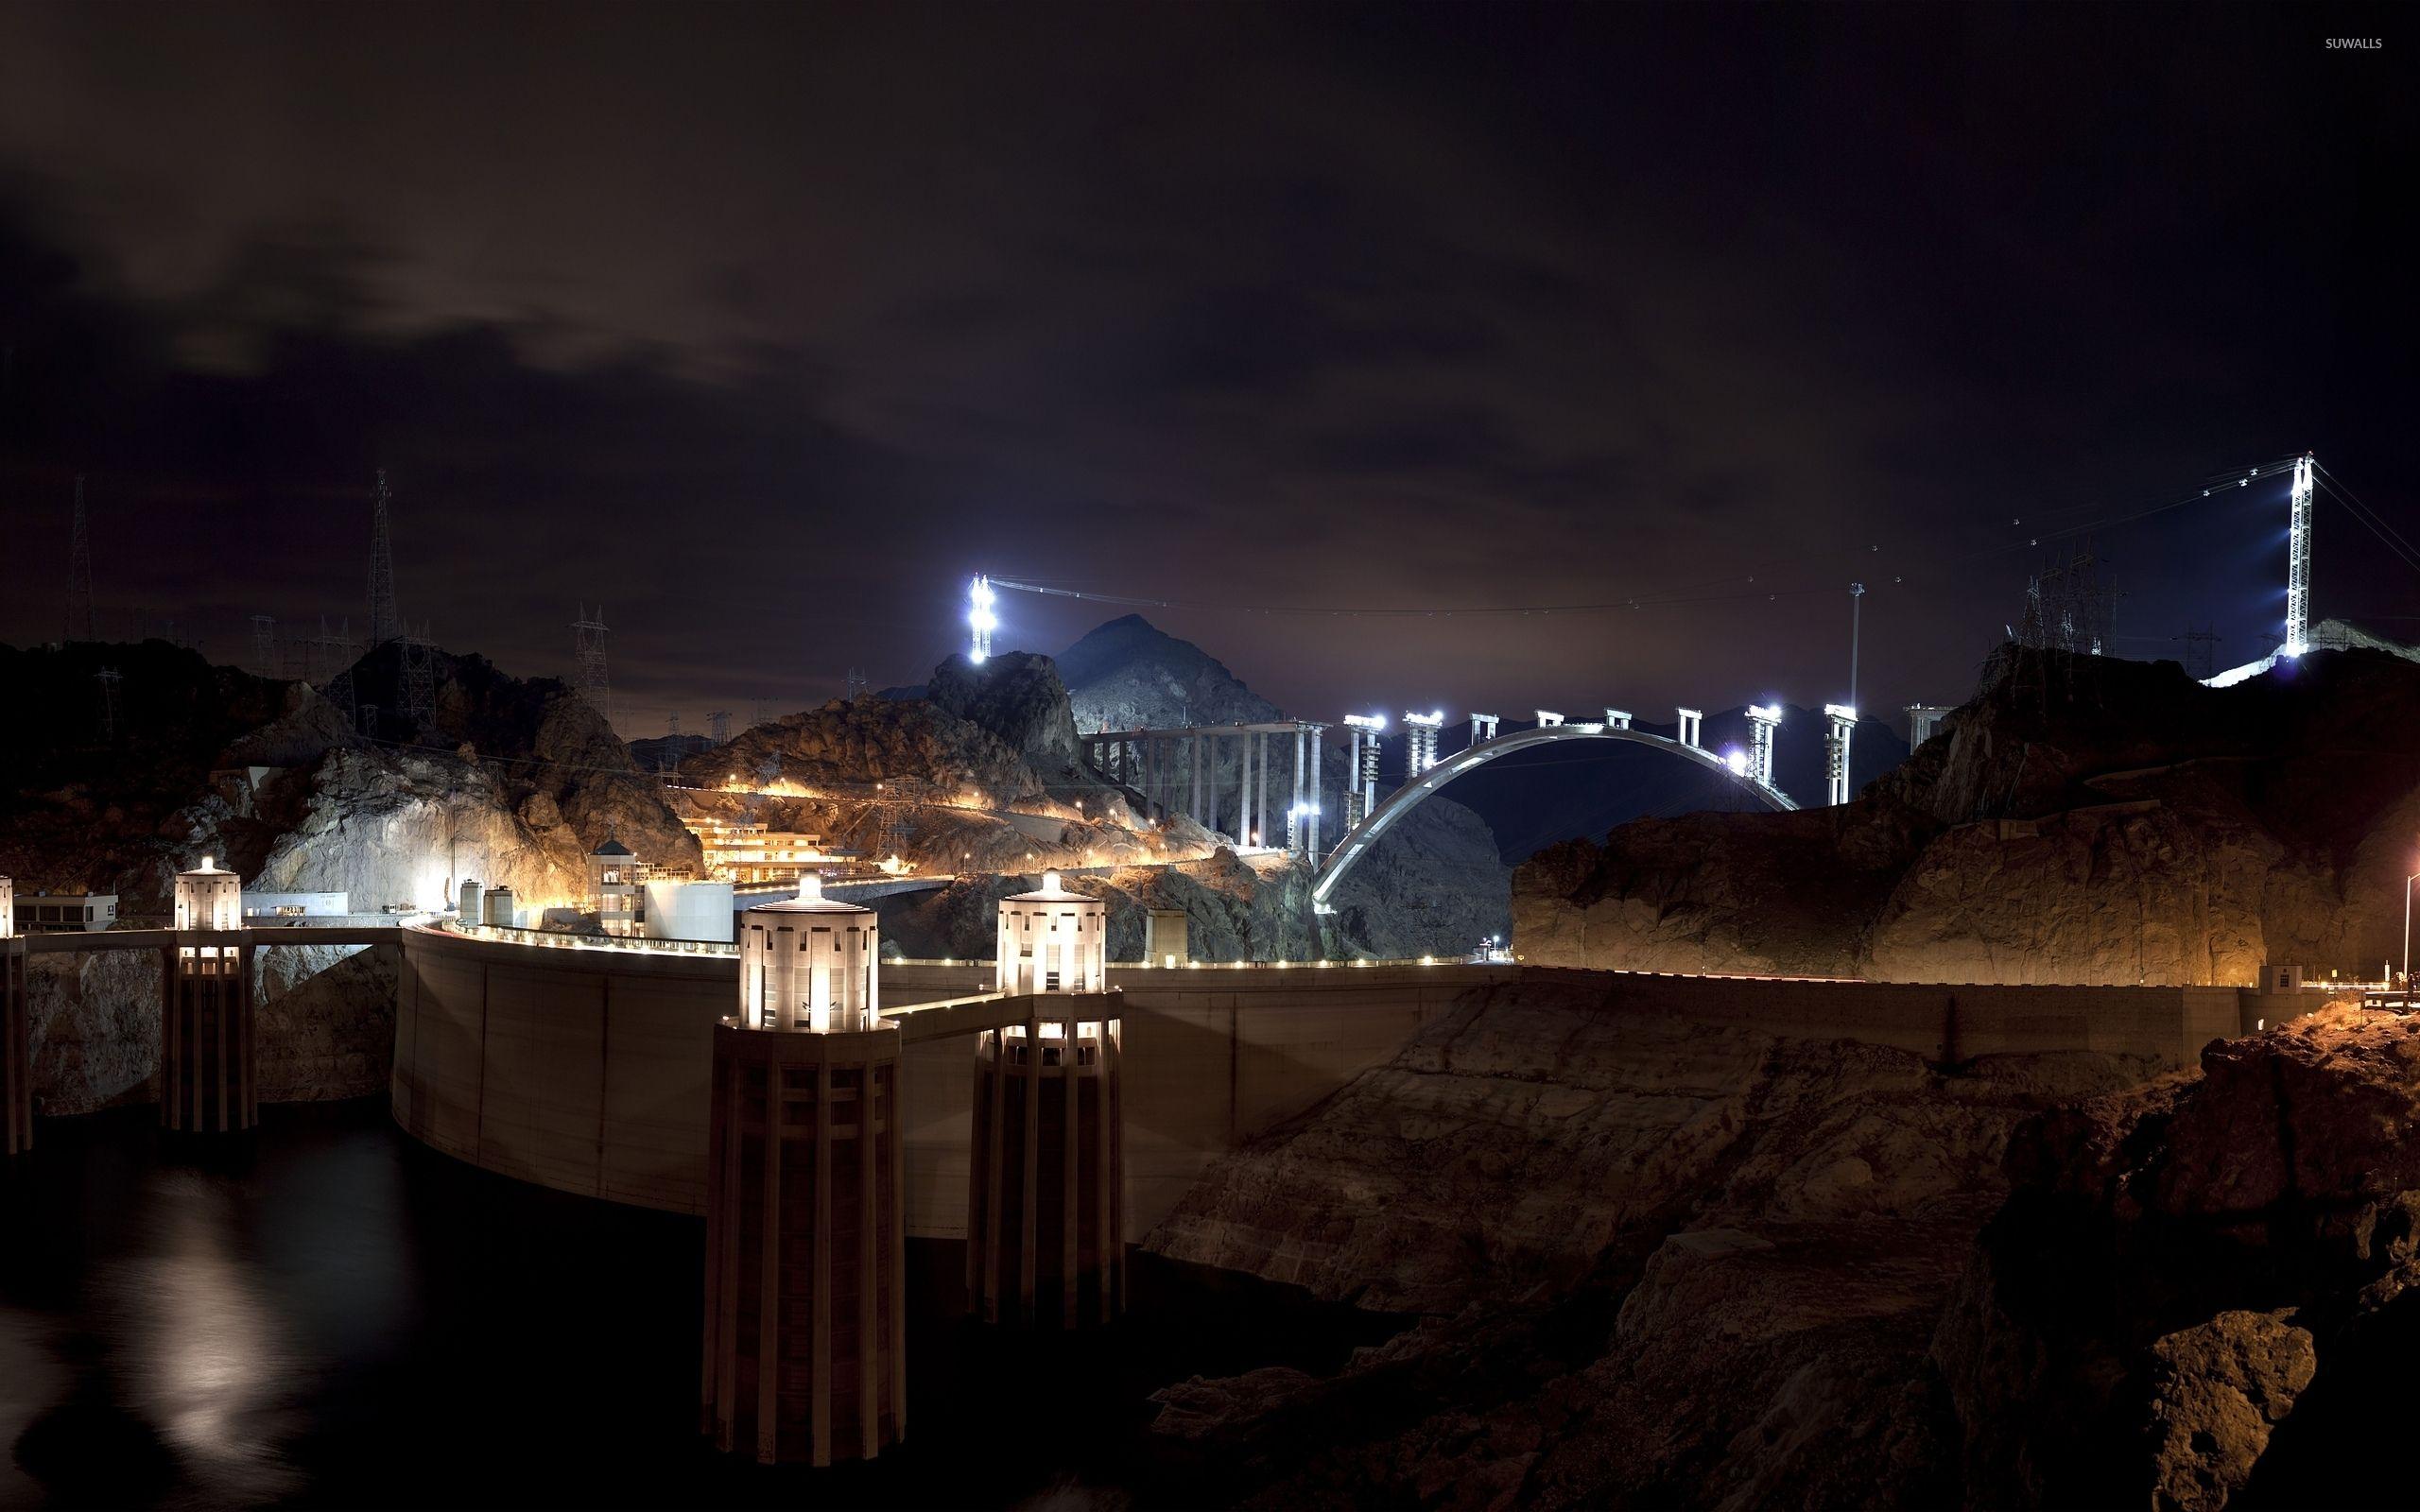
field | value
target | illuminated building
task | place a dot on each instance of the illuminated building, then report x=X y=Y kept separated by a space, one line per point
x=16 y=1068
x=805 y=1315
x=754 y=852
x=206 y=1045
x=1047 y=1176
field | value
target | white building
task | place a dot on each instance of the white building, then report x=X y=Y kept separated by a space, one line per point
x=1052 y=941
x=680 y=909
x=808 y=964
x=209 y=896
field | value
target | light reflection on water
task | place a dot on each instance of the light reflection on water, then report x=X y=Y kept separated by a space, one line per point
x=332 y=1315
x=204 y=1357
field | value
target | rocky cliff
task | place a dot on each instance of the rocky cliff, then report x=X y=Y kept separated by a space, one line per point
x=2204 y=1292
x=1653 y=1260
x=2080 y=819
x=509 y=781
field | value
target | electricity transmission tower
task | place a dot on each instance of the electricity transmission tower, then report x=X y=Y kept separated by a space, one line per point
x=384 y=622
x=718 y=723
x=2201 y=653
x=419 y=679
x=80 y=574
x=2068 y=608
x=263 y=662
x=588 y=648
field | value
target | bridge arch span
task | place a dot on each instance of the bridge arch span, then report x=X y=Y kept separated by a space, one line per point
x=1357 y=840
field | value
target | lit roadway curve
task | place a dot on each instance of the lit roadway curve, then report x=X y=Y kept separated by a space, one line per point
x=1409 y=797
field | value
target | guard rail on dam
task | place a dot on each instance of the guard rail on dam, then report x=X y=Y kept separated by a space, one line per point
x=587 y=1069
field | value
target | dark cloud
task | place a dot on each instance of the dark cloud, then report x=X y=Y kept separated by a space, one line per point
x=768 y=325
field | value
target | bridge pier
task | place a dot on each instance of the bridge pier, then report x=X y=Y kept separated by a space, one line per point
x=1319 y=780
x=1244 y=804
x=1842 y=725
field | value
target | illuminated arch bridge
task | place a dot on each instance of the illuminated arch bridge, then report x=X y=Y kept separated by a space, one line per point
x=1752 y=773
x=1225 y=777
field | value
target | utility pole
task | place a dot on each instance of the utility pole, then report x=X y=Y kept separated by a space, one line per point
x=1857 y=605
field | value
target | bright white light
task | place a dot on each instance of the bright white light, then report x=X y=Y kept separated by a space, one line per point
x=1736 y=760
x=980 y=620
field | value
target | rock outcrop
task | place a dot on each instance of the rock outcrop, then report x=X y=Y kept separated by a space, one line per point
x=509 y=781
x=2080 y=819
x=324 y=1025
x=2202 y=1291
x=1656 y=1260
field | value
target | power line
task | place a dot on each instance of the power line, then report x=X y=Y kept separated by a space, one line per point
x=1728 y=588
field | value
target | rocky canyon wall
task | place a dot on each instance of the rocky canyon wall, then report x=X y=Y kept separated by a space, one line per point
x=2082 y=819
x=1654 y=1259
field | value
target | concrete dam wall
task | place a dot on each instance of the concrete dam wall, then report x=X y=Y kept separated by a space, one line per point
x=587 y=1069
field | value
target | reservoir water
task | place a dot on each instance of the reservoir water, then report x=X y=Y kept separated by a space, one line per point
x=329 y=1314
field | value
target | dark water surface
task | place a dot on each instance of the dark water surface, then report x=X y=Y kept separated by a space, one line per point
x=330 y=1314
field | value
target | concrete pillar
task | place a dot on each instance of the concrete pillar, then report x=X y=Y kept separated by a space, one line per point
x=1244 y=806
x=1195 y=742
x=806 y=1324
x=1840 y=720
x=16 y=1066
x=1318 y=782
x=1046 y=1183
x=1265 y=813
x=1293 y=825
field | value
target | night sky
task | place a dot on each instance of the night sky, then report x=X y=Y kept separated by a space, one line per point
x=768 y=326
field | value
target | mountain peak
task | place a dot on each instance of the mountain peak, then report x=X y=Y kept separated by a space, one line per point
x=1129 y=673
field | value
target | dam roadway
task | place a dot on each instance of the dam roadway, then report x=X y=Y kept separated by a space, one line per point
x=586 y=1070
